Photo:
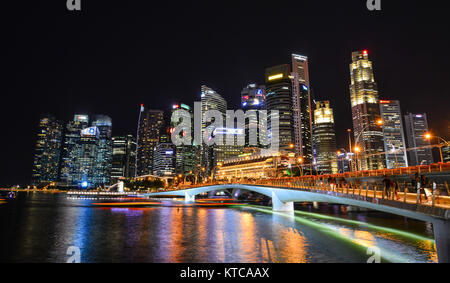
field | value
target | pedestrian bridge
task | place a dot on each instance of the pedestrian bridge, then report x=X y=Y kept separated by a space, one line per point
x=284 y=192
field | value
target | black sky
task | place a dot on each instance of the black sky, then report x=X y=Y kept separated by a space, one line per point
x=114 y=55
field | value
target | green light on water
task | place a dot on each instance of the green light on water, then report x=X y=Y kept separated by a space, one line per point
x=362 y=245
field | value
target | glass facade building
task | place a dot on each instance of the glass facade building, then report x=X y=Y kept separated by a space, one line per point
x=393 y=134
x=325 y=138
x=279 y=97
x=366 y=112
x=148 y=134
x=302 y=108
x=416 y=127
x=46 y=163
x=123 y=157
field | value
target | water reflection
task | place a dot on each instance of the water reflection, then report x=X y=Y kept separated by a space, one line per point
x=40 y=228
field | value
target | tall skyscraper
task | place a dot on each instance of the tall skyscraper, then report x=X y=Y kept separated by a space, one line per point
x=279 y=97
x=48 y=150
x=164 y=161
x=86 y=168
x=302 y=107
x=186 y=155
x=394 y=138
x=210 y=100
x=253 y=97
x=124 y=157
x=104 y=151
x=416 y=127
x=148 y=133
x=325 y=138
x=71 y=148
x=366 y=112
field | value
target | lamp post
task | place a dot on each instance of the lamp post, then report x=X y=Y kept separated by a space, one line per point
x=300 y=161
x=429 y=136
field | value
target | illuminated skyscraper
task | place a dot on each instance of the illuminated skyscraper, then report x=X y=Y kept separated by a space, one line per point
x=302 y=108
x=325 y=138
x=279 y=97
x=366 y=112
x=124 y=157
x=86 y=168
x=210 y=100
x=48 y=151
x=164 y=161
x=71 y=148
x=148 y=133
x=186 y=155
x=416 y=127
x=394 y=138
x=104 y=151
x=253 y=97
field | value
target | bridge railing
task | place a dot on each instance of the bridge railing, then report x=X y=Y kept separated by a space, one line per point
x=406 y=192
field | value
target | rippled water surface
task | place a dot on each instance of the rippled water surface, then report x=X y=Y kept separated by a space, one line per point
x=38 y=227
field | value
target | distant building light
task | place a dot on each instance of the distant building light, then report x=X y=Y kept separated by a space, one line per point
x=366 y=52
x=305 y=87
x=275 y=77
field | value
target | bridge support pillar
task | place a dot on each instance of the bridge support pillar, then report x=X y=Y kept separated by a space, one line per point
x=442 y=237
x=278 y=205
x=188 y=197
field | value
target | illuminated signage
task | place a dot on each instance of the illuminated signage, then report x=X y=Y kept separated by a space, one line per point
x=276 y=77
x=305 y=87
x=259 y=92
x=169 y=152
x=89 y=132
x=385 y=101
x=227 y=131
x=81 y=118
x=419 y=116
x=184 y=106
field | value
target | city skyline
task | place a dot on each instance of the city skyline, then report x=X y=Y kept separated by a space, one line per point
x=326 y=61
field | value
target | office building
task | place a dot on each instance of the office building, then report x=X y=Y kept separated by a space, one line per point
x=302 y=107
x=419 y=150
x=210 y=100
x=123 y=157
x=325 y=138
x=148 y=134
x=70 y=148
x=366 y=113
x=393 y=134
x=104 y=152
x=253 y=97
x=187 y=156
x=279 y=97
x=47 y=152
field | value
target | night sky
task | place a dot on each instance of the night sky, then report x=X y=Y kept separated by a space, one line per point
x=114 y=55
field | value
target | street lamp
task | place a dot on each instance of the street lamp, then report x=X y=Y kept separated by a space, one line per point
x=429 y=136
x=357 y=151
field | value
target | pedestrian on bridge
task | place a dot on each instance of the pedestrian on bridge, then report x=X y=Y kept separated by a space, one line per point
x=387 y=186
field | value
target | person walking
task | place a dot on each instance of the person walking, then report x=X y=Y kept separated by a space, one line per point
x=387 y=186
